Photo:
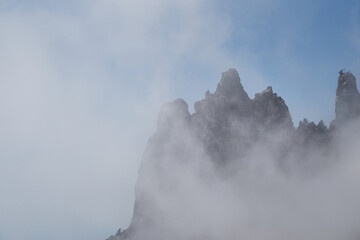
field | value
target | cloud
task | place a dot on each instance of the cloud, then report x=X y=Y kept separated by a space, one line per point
x=79 y=92
x=80 y=85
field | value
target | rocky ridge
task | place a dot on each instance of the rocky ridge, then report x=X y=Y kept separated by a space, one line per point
x=226 y=127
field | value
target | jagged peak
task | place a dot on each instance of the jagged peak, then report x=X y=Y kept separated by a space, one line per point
x=267 y=92
x=269 y=89
x=230 y=85
x=346 y=80
x=347 y=105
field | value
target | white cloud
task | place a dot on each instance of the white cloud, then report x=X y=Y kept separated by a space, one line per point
x=79 y=93
x=80 y=86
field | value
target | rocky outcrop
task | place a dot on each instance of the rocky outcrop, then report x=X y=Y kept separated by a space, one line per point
x=271 y=110
x=228 y=122
x=226 y=131
x=347 y=104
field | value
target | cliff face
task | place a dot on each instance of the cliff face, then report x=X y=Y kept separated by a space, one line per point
x=221 y=143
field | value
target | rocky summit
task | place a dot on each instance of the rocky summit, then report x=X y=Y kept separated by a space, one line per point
x=195 y=164
x=347 y=105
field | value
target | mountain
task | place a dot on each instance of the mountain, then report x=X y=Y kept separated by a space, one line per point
x=198 y=167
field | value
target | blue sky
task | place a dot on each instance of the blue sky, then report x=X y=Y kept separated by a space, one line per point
x=298 y=47
x=81 y=83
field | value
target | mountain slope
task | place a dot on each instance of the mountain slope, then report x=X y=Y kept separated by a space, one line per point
x=198 y=169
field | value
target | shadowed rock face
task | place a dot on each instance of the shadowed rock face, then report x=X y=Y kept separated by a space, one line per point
x=271 y=110
x=222 y=135
x=347 y=105
x=231 y=88
x=228 y=122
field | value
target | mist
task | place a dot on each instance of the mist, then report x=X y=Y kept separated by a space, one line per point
x=81 y=83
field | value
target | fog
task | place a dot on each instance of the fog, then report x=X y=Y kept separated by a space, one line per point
x=81 y=83
x=260 y=201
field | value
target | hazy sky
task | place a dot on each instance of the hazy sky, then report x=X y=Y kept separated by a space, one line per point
x=81 y=83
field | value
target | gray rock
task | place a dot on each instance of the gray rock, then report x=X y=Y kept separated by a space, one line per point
x=347 y=104
x=271 y=110
x=224 y=129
